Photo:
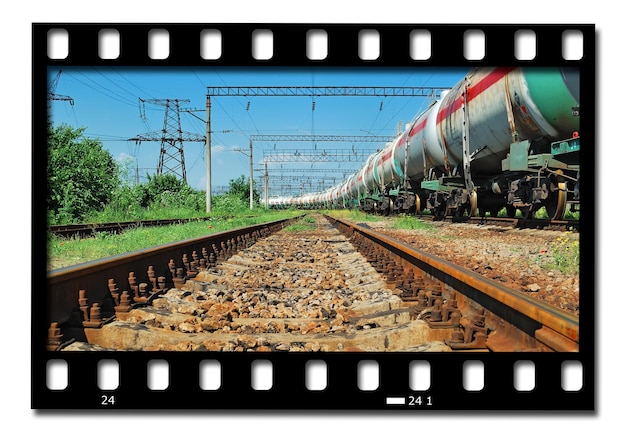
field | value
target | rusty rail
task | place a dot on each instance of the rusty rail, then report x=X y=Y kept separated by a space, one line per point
x=555 y=329
x=87 y=294
x=519 y=223
x=83 y=230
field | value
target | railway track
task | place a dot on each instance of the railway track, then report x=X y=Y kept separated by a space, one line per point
x=519 y=223
x=155 y=270
x=83 y=230
x=493 y=316
x=320 y=285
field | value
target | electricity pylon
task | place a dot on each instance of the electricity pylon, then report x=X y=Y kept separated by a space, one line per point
x=172 y=155
x=52 y=88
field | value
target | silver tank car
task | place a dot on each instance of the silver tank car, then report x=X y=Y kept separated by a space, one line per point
x=500 y=106
x=500 y=138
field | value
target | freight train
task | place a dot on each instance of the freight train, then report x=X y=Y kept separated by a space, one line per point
x=500 y=139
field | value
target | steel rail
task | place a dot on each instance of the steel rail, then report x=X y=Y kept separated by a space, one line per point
x=64 y=285
x=509 y=303
x=512 y=222
x=69 y=230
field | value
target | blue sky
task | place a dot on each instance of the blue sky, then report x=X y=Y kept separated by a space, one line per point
x=106 y=103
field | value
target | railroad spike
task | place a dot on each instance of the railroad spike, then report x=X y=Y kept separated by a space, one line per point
x=82 y=302
x=54 y=337
x=114 y=291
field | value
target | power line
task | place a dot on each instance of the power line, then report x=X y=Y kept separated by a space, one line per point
x=323 y=138
x=106 y=92
x=172 y=156
x=314 y=156
x=52 y=87
x=313 y=91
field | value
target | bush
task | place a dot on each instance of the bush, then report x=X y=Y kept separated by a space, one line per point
x=229 y=204
x=81 y=175
x=162 y=197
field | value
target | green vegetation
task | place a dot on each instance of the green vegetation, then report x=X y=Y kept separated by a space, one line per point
x=542 y=214
x=408 y=222
x=304 y=224
x=82 y=176
x=85 y=185
x=565 y=255
x=66 y=252
x=298 y=227
x=354 y=215
x=161 y=197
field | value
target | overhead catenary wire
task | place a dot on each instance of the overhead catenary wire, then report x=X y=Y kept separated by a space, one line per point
x=123 y=84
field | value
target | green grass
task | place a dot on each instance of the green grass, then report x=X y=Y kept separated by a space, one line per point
x=408 y=222
x=565 y=255
x=354 y=215
x=66 y=252
x=138 y=213
x=543 y=214
x=304 y=224
x=299 y=227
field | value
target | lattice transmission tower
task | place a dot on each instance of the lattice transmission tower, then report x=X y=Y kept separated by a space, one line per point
x=172 y=137
x=52 y=88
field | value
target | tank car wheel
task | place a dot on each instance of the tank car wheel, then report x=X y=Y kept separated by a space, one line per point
x=418 y=204
x=468 y=208
x=473 y=204
x=557 y=199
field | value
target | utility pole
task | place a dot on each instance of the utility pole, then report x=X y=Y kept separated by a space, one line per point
x=266 y=187
x=251 y=174
x=251 y=178
x=208 y=154
x=207 y=143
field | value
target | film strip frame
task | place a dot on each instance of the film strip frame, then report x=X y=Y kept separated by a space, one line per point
x=446 y=390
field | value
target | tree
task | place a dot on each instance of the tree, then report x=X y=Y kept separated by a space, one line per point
x=240 y=187
x=82 y=176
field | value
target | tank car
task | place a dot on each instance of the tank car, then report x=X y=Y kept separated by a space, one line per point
x=501 y=138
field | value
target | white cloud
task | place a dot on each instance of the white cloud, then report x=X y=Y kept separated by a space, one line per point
x=219 y=148
x=123 y=157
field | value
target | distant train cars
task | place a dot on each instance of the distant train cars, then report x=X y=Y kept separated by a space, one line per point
x=501 y=138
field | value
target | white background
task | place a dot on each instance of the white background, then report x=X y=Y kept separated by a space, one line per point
x=15 y=55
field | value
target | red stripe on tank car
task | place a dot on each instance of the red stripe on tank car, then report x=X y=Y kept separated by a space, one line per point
x=418 y=128
x=489 y=80
x=402 y=140
x=385 y=157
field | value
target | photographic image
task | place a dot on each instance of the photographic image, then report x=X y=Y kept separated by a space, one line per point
x=396 y=215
